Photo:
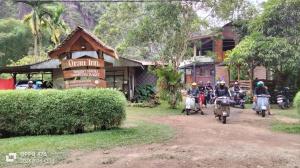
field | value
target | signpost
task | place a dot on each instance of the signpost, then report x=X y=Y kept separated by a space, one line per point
x=90 y=68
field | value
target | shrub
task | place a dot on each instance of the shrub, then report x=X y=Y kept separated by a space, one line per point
x=297 y=101
x=144 y=92
x=32 y=112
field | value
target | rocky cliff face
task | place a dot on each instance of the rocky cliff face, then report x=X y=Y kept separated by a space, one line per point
x=76 y=13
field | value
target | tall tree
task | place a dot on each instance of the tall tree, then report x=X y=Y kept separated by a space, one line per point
x=56 y=25
x=166 y=28
x=36 y=19
x=275 y=40
x=15 y=40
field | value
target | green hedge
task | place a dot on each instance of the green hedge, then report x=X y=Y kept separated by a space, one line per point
x=32 y=112
x=297 y=101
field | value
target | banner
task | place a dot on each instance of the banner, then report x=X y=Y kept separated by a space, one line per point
x=6 y=84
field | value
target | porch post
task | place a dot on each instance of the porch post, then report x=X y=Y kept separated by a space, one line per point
x=194 y=72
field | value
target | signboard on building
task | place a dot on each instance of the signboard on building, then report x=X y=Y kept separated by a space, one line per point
x=86 y=62
x=85 y=83
x=99 y=73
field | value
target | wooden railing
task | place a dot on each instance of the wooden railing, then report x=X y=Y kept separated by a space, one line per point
x=244 y=84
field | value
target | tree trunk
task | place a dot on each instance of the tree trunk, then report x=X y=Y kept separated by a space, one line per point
x=251 y=79
x=35 y=47
x=239 y=72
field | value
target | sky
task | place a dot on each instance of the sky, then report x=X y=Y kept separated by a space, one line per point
x=214 y=22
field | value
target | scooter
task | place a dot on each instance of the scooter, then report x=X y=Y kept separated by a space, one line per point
x=202 y=99
x=238 y=99
x=283 y=102
x=191 y=105
x=222 y=109
x=262 y=103
x=210 y=96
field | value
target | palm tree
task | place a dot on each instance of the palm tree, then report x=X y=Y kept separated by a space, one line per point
x=56 y=24
x=36 y=20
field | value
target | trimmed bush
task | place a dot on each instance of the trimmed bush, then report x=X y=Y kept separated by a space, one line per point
x=297 y=101
x=32 y=112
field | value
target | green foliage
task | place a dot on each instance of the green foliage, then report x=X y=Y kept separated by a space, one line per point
x=56 y=25
x=145 y=92
x=297 y=102
x=15 y=40
x=33 y=112
x=279 y=22
x=169 y=84
x=168 y=39
x=286 y=127
x=26 y=60
x=115 y=23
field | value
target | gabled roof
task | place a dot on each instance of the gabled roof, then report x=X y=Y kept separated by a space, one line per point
x=75 y=35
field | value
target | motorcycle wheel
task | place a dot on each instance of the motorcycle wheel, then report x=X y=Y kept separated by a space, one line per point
x=242 y=106
x=257 y=112
x=281 y=106
x=201 y=112
x=187 y=111
x=263 y=113
x=224 y=119
x=220 y=118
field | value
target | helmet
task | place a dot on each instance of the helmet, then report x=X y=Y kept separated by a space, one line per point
x=236 y=83
x=194 y=84
x=260 y=83
x=30 y=82
x=208 y=82
x=222 y=83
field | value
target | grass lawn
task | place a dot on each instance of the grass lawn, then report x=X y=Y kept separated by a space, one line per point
x=283 y=126
x=133 y=131
x=287 y=127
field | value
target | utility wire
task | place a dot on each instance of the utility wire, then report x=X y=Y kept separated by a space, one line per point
x=111 y=1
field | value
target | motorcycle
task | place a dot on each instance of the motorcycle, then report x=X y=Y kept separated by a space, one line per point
x=238 y=99
x=202 y=99
x=191 y=105
x=210 y=96
x=282 y=101
x=262 y=104
x=222 y=109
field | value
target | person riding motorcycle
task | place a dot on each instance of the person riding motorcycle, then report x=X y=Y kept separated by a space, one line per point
x=236 y=87
x=221 y=90
x=261 y=89
x=201 y=88
x=194 y=91
x=209 y=90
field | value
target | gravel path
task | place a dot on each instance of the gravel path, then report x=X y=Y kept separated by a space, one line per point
x=202 y=141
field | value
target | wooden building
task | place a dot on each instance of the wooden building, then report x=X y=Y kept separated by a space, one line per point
x=82 y=60
x=209 y=55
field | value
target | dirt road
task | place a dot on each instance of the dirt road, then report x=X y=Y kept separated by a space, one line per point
x=202 y=141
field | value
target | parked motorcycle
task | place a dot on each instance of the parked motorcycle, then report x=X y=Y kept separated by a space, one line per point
x=191 y=106
x=262 y=103
x=283 y=99
x=222 y=109
x=238 y=98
